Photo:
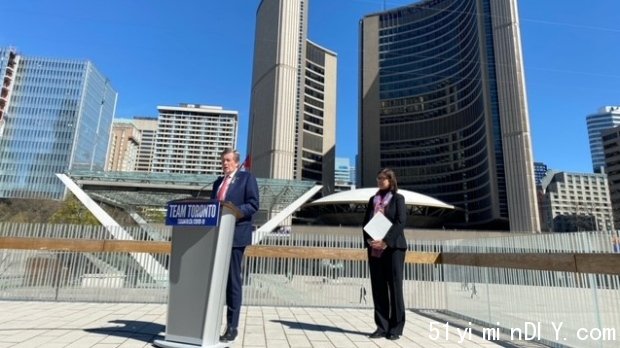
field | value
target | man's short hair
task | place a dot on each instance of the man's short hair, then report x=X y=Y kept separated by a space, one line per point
x=236 y=155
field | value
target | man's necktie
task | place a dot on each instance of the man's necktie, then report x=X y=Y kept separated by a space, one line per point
x=221 y=194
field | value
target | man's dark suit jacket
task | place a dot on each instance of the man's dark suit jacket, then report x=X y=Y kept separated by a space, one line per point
x=243 y=193
x=396 y=212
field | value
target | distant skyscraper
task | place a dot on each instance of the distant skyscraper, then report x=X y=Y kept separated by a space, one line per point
x=606 y=117
x=342 y=177
x=55 y=117
x=540 y=169
x=576 y=202
x=123 y=148
x=191 y=137
x=293 y=100
x=147 y=126
x=445 y=107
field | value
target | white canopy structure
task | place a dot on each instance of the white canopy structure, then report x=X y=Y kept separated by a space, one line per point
x=348 y=207
x=363 y=195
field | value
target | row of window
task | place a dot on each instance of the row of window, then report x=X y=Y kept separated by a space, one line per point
x=444 y=64
x=167 y=114
x=312 y=128
x=432 y=17
x=430 y=51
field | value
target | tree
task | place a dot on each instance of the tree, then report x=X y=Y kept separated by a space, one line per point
x=27 y=210
x=73 y=212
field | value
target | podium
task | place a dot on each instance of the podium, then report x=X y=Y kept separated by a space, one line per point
x=202 y=237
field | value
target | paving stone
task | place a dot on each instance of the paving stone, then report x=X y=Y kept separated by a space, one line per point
x=126 y=325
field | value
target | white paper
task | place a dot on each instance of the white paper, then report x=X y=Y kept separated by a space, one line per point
x=378 y=226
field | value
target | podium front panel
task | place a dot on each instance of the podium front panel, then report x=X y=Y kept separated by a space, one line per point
x=191 y=262
x=199 y=263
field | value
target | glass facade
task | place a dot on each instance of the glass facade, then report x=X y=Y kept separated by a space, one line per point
x=540 y=170
x=58 y=119
x=606 y=117
x=439 y=120
x=344 y=175
x=443 y=103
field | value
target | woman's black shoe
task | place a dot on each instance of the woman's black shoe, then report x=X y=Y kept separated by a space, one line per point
x=377 y=334
x=392 y=337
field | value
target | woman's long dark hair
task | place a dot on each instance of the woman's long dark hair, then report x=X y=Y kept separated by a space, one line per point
x=389 y=174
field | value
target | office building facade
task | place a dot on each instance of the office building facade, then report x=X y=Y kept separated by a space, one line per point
x=316 y=149
x=147 y=127
x=611 y=146
x=445 y=107
x=123 y=148
x=605 y=118
x=540 y=170
x=191 y=137
x=574 y=202
x=293 y=98
x=56 y=117
x=344 y=176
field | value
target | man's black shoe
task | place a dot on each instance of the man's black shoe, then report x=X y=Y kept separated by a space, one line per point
x=229 y=335
x=392 y=337
x=377 y=334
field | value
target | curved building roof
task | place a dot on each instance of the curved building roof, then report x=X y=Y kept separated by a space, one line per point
x=363 y=195
x=348 y=208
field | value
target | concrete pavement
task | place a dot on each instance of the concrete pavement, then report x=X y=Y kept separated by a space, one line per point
x=131 y=325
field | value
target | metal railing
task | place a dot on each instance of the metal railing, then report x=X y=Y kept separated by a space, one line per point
x=508 y=283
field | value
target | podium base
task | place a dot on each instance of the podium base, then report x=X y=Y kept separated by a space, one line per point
x=171 y=344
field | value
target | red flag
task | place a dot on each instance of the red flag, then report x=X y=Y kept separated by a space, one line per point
x=247 y=164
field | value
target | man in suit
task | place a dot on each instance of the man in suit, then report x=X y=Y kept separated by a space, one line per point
x=241 y=189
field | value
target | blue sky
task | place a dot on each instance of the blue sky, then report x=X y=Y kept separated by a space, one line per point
x=165 y=52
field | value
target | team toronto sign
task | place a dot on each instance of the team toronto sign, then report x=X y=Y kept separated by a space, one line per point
x=192 y=213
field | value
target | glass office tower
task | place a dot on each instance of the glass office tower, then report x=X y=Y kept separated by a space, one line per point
x=57 y=119
x=605 y=118
x=444 y=105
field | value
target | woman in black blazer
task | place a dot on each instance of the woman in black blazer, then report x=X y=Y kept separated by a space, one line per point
x=386 y=258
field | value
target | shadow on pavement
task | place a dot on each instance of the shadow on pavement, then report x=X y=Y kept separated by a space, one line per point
x=316 y=327
x=134 y=329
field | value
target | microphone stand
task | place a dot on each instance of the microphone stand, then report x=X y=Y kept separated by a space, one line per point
x=201 y=190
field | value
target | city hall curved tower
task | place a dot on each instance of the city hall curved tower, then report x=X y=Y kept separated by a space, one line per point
x=443 y=103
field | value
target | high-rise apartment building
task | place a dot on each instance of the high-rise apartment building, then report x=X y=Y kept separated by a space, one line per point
x=147 y=126
x=606 y=117
x=611 y=146
x=123 y=148
x=293 y=99
x=576 y=202
x=191 y=137
x=443 y=103
x=55 y=116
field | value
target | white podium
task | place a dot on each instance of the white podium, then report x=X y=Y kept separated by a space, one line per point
x=202 y=239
